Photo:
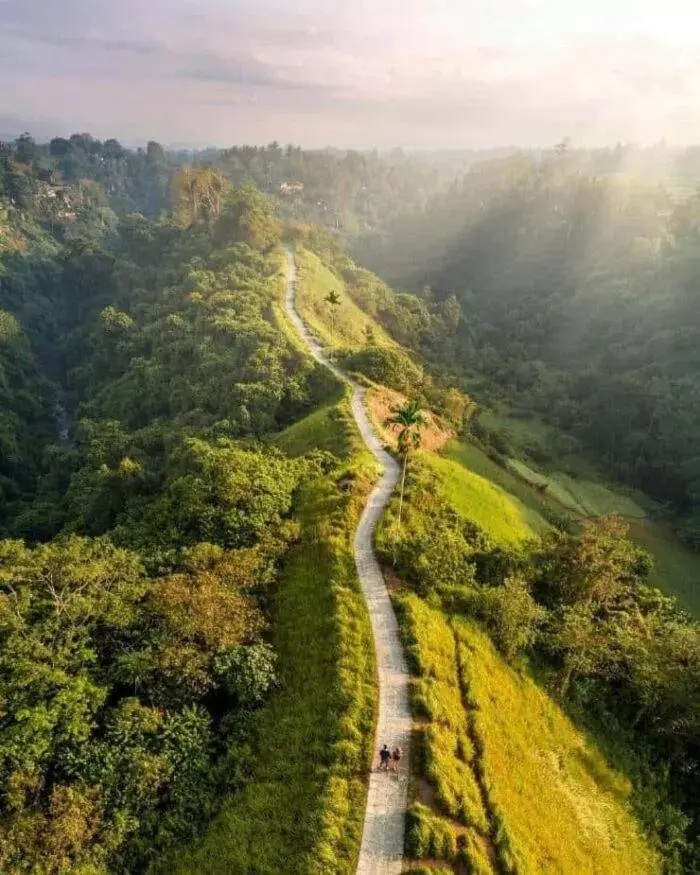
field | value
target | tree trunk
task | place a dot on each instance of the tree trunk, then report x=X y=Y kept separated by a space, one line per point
x=565 y=682
x=398 y=519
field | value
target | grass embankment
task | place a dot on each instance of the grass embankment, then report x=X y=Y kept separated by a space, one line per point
x=301 y=807
x=676 y=568
x=344 y=326
x=330 y=428
x=513 y=786
x=505 y=518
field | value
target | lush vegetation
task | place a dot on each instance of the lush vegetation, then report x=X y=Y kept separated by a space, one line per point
x=572 y=297
x=344 y=325
x=619 y=656
x=159 y=548
x=489 y=544
x=185 y=658
x=302 y=806
x=516 y=787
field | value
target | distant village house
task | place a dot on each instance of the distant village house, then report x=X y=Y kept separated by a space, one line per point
x=291 y=187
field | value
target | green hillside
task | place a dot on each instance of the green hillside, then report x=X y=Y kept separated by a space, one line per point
x=348 y=322
x=514 y=786
x=676 y=568
x=330 y=428
x=301 y=806
x=187 y=668
x=503 y=516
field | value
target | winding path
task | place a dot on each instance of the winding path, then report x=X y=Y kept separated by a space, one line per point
x=381 y=852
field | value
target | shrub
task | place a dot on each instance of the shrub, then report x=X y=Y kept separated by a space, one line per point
x=510 y=614
x=385 y=365
x=248 y=673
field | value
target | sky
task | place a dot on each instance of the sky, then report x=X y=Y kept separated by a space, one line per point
x=418 y=74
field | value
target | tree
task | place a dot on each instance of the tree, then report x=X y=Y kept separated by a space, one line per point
x=199 y=193
x=26 y=150
x=407 y=420
x=510 y=614
x=595 y=567
x=333 y=300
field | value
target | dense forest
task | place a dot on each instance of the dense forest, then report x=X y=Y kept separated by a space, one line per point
x=148 y=514
x=144 y=521
x=574 y=298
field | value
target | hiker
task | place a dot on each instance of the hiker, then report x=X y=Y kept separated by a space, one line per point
x=384 y=757
x=396 y=757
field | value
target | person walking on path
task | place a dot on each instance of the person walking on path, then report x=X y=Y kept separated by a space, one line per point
x=384 y=757
x=396 y=758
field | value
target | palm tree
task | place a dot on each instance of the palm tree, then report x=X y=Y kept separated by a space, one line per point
x=333 y=301
x=407 y=420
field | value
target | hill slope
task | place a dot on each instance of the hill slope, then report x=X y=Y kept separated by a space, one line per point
x=509 y=779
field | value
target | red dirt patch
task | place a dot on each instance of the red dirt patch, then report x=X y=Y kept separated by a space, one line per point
x=380 y=400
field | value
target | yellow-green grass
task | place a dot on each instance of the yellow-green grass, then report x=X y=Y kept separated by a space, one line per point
x=278 y=284
x=506 y=519
x=314 y=283
x=330 y=428
x=301 y=809
x=545 y=484
x=553 y=804
x=456 y=827
x=584 y=497
x=676 y=568
x=449 y=754
x=475 y=460
x=597 y=499
x=560 y=806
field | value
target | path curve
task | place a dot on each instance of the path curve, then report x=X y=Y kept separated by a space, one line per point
x=381 y=852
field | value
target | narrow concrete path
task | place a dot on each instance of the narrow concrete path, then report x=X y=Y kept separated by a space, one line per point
x=381 y=852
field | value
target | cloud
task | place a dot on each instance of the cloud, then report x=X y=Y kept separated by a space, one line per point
x=407 y=72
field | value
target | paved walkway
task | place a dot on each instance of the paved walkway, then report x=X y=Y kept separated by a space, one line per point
x=381 y=852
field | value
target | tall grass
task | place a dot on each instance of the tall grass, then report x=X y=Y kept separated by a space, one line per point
x=458 y=827
x=502 y=516
x=558 y=804
x=301 y=807
x=549 y=802
x=448 y=751
x=330 y=428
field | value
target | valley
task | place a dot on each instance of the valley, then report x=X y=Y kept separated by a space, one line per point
x=289 y=512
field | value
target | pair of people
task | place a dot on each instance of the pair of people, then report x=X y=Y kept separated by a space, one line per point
x=387 y=757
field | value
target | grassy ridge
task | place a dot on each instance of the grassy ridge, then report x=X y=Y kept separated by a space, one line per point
x=350 y=322
x=301 y=809
x=541 y=799
x=330 y=428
